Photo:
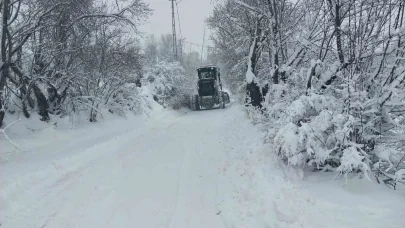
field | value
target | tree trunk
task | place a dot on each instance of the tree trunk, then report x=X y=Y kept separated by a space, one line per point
x=335 y=11
x=338 y=33
x=2 y=86
x=253 y=92
x=311 y=75
x=42 y=102
x=41 y=99
x=5 y=67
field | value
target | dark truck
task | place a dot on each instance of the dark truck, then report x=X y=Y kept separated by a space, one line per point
x=209 y=89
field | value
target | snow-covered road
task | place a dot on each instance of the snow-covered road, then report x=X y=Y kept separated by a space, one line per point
x=175 y=170
x=163 y=173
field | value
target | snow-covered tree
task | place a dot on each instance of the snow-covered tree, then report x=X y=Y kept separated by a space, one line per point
x=46 y=48
x=331 y=74
x=173 y=80
x=170 y=86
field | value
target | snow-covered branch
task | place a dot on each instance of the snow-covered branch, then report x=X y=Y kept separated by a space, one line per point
x=3 y=131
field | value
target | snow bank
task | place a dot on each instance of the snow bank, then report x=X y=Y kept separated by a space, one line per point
x=269 y=194
x=30 y=134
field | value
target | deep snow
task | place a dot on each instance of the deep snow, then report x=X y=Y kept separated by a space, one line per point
x=174 y=169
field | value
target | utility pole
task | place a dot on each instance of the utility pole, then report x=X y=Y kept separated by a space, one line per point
x=181 y=43
x=174 y=31
x=202 y=47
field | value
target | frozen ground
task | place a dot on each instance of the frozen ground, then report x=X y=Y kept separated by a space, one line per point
x=174 y=169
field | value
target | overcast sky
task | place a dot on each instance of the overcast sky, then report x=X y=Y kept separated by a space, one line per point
x=192 y=15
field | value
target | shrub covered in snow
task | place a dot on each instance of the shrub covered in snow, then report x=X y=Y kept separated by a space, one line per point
x=330 y=82
x=338 y=131
x=80 y=62
x=169 y=84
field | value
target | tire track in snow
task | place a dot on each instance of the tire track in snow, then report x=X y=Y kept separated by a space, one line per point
x=72 y=178
x=201 y=165
x=180 y=184
x=124 y=159
x=165 y=175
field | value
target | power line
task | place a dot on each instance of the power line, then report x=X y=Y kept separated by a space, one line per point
x=200 y=45
x=180 y=32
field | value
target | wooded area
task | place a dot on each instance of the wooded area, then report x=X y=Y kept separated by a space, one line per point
x=325 y=76
x=329 y=77
x=279 y=113
x=64 y=56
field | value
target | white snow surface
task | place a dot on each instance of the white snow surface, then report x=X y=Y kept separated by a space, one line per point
x=174 y=169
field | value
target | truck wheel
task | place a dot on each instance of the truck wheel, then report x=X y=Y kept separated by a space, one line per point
x=221 y=102
x=196 y=102
x=192 y=103
x=227 y=99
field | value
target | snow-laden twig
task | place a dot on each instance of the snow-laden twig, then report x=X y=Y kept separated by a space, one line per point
x=6 y=136
x=91 y=106
x=249 y=7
